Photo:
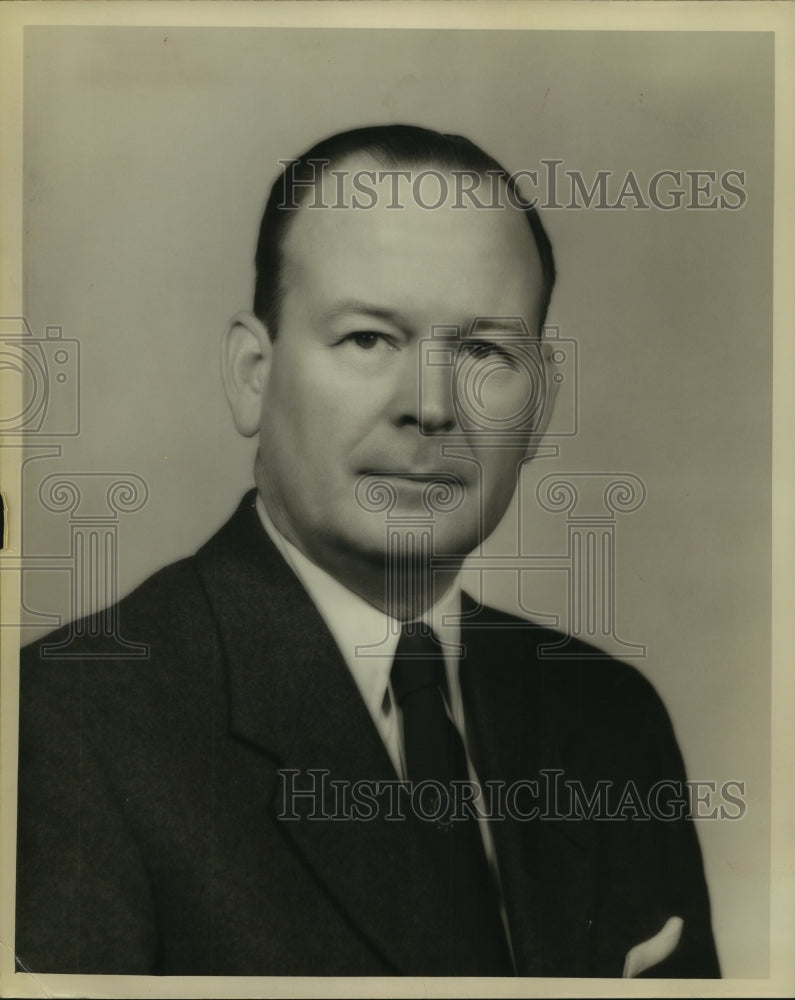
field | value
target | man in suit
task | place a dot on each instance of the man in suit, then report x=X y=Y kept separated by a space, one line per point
x=294 y=782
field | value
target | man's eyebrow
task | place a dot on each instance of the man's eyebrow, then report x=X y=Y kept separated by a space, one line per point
x=497 y=324
x=472 y=327
x=360 y=306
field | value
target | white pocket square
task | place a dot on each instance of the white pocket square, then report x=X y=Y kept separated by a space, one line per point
x=648 y=953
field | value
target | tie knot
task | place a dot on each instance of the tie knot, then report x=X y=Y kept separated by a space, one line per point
x=418 y=663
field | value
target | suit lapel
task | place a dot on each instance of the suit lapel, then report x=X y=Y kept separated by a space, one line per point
x=292 y=697
x=545 y=864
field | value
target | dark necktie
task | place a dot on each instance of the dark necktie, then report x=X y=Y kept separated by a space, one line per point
x=473 y=941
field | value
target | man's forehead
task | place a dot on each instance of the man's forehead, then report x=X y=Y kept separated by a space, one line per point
x=364 y=198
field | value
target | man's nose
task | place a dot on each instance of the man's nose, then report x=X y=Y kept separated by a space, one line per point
x=424 y=397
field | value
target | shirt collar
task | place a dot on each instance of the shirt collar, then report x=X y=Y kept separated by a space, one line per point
x=366 y=637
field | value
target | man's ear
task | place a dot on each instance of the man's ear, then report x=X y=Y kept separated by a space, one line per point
x=546 y=350
x=246 y=352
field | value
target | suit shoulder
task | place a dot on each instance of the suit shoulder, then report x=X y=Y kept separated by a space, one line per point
x=156 y=606
x=572 y=673
x=597 y=672
x=152 y=639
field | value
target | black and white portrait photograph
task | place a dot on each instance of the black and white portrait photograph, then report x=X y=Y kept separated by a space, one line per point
x=397 y=504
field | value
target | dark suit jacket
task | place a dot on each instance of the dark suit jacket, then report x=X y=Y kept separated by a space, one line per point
x=148 y=838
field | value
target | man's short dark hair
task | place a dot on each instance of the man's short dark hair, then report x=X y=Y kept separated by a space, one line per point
x=395 y=146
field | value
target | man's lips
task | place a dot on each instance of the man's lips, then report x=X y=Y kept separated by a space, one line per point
x=411 y=475
x=440 y=491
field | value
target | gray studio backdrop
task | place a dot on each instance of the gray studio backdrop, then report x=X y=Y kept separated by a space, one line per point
x=148 y=154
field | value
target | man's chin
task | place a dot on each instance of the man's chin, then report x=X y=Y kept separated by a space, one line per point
x=403 y=540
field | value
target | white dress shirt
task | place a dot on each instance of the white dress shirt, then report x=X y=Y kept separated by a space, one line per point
x=367 y=639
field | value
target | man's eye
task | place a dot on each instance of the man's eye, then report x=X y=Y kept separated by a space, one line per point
x=365 y=339
x=481 y=349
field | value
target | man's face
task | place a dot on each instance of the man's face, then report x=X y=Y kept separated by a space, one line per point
x=351 y=392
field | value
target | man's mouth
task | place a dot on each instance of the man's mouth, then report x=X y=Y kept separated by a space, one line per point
x=438 y=491
x=410 y=475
